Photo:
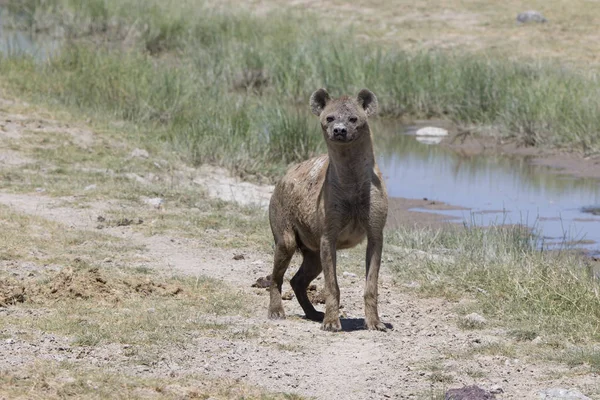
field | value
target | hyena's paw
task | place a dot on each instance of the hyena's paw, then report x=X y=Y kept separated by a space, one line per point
x=276 y=313
x=332 y=325
x=375 y=325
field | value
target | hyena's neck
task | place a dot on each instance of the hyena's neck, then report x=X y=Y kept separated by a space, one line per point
x=352 y=164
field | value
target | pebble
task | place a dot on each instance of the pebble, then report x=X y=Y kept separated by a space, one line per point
x=531 y=16
x=139 y=153
x=155 y=202
x=287 y=295
x=349 y=274
x=474 y=320
x=496 y=389
x=90 y=187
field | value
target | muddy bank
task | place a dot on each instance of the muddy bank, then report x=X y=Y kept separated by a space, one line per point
x=574 y=163
x=402 y=212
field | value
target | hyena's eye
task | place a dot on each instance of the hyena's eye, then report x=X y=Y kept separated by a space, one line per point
x=353 y=119
x=330 y=118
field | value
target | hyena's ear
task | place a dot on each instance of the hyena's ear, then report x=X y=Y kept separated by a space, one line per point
x=368 y=101
x=318 y=101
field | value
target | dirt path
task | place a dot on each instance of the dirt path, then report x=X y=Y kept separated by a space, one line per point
x=295 y=355
x=425 y=352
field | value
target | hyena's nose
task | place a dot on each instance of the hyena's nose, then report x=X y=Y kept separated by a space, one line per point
x=339 y=132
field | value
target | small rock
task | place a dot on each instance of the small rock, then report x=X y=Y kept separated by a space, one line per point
x=562 y=394
x=537 y=340
x=531 y=16
x=10 y=341
x=262 y=282
x=349 y=274
x=127 y=221
x=469 y=393
x=90 y=187
x=139 y=153
x=40 y=190
x=155 y=202
x=287 y=295
x=238 y=257
x=317 y=297
x=496 y=389
x=474 y=321
x=136 y=177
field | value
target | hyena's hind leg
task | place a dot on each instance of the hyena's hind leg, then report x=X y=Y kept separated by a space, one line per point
x=284 y=250
x=309 y=270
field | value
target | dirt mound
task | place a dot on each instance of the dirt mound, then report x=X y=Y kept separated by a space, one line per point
x=76 y=284
x=11 y=292
x=87 y=284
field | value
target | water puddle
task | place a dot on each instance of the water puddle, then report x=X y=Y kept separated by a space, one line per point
x=494 y=189
x=16 y=42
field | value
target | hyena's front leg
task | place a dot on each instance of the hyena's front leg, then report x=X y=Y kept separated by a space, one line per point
x=331 y=322
x=373 y=263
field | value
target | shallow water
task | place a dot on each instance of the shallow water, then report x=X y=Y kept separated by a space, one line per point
x=15 y=42
x=495 y=189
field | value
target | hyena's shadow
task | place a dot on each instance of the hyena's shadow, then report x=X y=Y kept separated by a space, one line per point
x=357 y=324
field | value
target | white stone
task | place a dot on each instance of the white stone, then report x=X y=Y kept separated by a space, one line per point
x=431 y=131
x=155 y=202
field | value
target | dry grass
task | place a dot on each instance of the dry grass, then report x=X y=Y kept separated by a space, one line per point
x=95 y=306
x=571 y=35
x=217 y=223
x=53 y=380
x=27 y=238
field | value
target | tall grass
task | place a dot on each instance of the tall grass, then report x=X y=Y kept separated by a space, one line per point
x=223 y=86
x=551 y=294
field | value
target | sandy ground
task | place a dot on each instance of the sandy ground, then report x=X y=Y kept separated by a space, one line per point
x=295 y=355
x=423 y=354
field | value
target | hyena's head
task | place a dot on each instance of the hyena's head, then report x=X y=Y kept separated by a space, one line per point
x=344 y=119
